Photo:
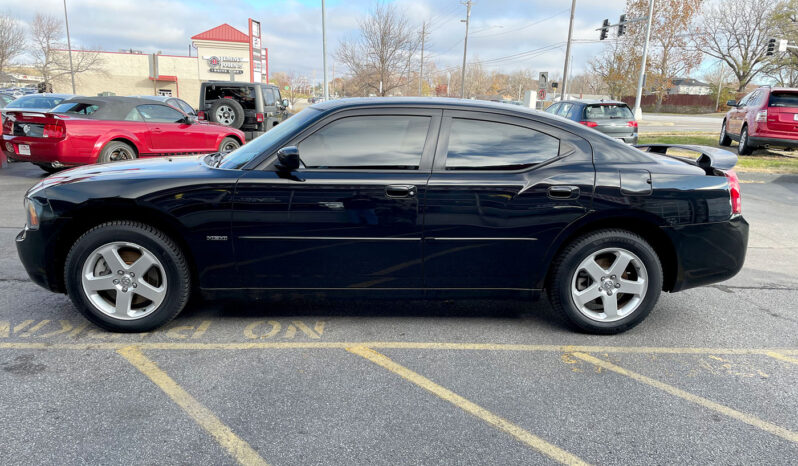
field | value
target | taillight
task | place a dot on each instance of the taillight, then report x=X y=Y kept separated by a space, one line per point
x=762 y=115
x=259 y=117
x=8 y=125
x=631 y=124
x=55 y=130
x=734 y=192
x=589 y=124
x=200 y=115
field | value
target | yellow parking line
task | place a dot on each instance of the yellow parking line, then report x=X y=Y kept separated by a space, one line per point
x=500 y=423
x=238 y=448
x=781 y=357
x=185 y=345
x=725 y=410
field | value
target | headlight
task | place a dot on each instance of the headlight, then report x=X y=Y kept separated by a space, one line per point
x=33 y=208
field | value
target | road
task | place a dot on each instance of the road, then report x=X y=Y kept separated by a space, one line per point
x=709 y=377
x=672 y=123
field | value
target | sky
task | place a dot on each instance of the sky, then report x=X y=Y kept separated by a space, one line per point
x=500 y=30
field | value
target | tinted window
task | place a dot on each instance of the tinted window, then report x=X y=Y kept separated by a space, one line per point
x=384 y=142
x=160 y=114
x=608 y=111
x=783 y=99
x=486 y=145
x=75 y=108
x=268 y=96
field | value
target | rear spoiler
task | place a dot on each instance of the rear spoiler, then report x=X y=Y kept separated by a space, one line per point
x=711 y=157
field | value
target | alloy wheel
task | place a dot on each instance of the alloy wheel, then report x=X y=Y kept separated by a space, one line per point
x=124 y=280
x=609 y=284
x=225 y=115
x=120 y=154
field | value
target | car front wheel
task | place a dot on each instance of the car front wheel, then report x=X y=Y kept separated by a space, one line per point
x=228 y=144
x=126 y=276
x=606 y=282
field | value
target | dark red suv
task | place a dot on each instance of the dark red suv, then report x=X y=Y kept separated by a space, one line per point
x=766 y=117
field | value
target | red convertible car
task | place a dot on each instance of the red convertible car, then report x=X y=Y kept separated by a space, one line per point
x=86 y=130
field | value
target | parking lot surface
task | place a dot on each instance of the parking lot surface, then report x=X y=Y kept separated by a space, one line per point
x=710 y=377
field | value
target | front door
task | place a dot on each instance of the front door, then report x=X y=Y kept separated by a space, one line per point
x=501 y=190
x=169 y=132
x=350 y=217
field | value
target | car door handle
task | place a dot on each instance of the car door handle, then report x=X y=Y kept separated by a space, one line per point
x=400 y=190
x=563 y=192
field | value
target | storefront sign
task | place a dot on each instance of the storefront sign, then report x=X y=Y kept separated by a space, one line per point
x=221 y=64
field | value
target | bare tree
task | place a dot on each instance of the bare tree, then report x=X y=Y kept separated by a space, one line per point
x=737 y=31
x=617 y=68
x=292 y=81
x=12 y=40
x=380 y=58
x=51 y=58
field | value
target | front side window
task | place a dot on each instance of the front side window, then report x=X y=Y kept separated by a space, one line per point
x=268 y=96
x=553 y=109
x=744 y=101
x=488 y=145
x=367 y=142
x=564 y=108
x=160 y=114
x=182 y=105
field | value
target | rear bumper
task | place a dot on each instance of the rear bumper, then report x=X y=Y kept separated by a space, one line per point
x=42 y=150
x=708 y=253
x=768 y=141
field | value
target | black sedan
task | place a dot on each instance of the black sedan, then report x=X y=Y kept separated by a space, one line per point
x=398 y=198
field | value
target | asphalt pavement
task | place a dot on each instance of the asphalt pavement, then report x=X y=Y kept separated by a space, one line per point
x=709 y=377
x=673 y=123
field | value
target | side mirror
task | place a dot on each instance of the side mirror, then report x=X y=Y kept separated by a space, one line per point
x=288 y=158
x=731 y=103
x=189 y=120
x=285 y=103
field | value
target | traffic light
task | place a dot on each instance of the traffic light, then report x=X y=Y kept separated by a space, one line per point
x=771 y=47
x=605 y=27
x=621 y=25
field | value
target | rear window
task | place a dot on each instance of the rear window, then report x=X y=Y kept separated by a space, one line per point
x=608 y=111
x=76 y=108
x=245 y=95
x=783 y=99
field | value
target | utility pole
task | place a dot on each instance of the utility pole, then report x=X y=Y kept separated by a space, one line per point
x=421 y=70
x=720 y=85
x=639 y=98
x=568 y=52
x=324 y=47
x=448 y=82
x=465 y=48
x=69 y=46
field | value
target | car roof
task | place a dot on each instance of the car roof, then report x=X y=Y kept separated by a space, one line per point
x=444 y=102
x=47 y=94
x=593 y=101
x=238 y=83
x=159 y=98
x=113 y=107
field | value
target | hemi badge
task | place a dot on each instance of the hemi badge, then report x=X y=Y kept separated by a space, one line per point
x=216 y=238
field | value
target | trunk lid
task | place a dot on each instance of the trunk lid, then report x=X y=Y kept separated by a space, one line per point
x=783 y=112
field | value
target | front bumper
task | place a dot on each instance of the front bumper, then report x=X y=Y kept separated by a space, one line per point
x=708 y=253
x=36 y=255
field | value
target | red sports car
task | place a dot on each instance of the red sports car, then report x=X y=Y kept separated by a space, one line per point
x=86 y=130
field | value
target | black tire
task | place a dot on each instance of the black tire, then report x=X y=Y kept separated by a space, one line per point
x=117 y=151
x=49 y=168
x=175 y=268
x=744 y=147
x=724 y=139
x=567 y=265
x=229 y=144
x=233 y=116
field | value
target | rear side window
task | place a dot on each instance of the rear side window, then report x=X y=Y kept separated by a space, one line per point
x=783 y=99
x=608 y=111
x=488 y=145
x=368 y=142
x=76 y=108
x=160 y=114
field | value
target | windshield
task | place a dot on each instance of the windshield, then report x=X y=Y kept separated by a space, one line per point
x=36 y=101
x=269 y=141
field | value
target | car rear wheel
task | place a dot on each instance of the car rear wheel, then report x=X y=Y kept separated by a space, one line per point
x=606 y=282
x=724 y=139
x=229 y=144
x=116 y=151
x=744 y=148
x=227 y=112
x=126 y=276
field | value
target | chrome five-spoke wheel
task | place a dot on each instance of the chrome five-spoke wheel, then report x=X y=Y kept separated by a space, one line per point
x=124 y=280
x=609 y=284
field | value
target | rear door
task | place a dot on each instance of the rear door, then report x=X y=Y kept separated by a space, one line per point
x=350 y=218
x=783 y=114
x=614 y=120
x=501 y=190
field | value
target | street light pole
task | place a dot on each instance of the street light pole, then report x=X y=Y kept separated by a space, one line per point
x=69 y=46
x=638 y=111
x=324 y=47
x=568 y=52
x=465 y=49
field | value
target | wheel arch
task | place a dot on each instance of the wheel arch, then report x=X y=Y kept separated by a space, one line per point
x=89 y=216
x=639 y=222
x=129 y=139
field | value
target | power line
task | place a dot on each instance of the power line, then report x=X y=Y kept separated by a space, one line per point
x=524 y=27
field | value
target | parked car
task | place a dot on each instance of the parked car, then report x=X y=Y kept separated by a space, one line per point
x=766 y=117
x=610 y=117
x=253 y=108
x=33 y=103
x=88 y=130
x=415 y=197
x=175 y=102
x=5 y=99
